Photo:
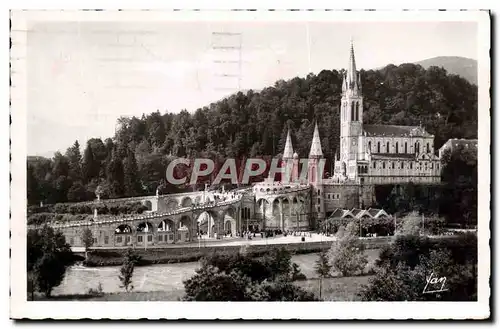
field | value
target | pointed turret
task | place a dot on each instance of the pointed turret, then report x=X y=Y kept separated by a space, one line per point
x=288 y=151
x=316 y=144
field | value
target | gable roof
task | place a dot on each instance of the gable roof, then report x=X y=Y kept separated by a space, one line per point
x=356 y=211
x=338 y=212
x=395 y=131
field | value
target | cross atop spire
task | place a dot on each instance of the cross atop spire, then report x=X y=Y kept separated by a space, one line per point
x=316 y=144
x=288 y=151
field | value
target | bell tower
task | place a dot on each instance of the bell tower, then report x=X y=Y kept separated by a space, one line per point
x=351 y=117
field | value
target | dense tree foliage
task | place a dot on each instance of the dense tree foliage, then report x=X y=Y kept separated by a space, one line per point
x=252 y=124
x=48 y=257
x=243 y=278
x=415 y=268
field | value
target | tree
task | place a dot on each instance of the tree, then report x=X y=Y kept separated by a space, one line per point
x=410 y=224
x=48 y=257
x=131 y=177
x=77 y=192
x=127 y=270
x=459 y=175
x=211 y=284
x=90 y=166
x=280 y=289
x=75 y=161
x=87 y=240
x=115 y=176
x=347 y=252
x=322 y=268
x=33 y=188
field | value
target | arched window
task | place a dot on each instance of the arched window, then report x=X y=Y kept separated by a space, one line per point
x=428 y=148
x=357 y=111
x=352 y=111
x=378 y=147
x=387 y=148
x=402 y=165
x=406 y=147
x=370 y=146
x=397 y=147
x=411 y=165
x=393 y=165
x=417 y=147
x=383 y=165
x=374 y=164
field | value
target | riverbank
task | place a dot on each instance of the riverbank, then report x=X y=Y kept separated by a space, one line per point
x=182 y=254
x=339 y=289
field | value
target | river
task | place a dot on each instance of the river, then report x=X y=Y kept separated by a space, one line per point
x=162 y=277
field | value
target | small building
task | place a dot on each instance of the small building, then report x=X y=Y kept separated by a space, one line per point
x=373 y=221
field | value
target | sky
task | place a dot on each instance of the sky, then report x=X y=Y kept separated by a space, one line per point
x=82 y=76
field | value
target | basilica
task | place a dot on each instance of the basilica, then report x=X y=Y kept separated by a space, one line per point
x=369 y=155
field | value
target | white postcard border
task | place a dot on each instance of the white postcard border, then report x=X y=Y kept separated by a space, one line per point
x=21 y=308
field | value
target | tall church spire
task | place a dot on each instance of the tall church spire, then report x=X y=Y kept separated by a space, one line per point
x=352 y=75
x=288 y=151
x=316 y=144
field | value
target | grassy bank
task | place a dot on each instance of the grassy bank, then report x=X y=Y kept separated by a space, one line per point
x=334 y=289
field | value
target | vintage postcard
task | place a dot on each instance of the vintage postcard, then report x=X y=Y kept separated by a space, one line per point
x=266 y=158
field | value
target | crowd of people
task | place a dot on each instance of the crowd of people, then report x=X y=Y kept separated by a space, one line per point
x=250 y=234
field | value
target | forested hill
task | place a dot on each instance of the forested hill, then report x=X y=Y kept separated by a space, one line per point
x=464 y=67
x=254 y=124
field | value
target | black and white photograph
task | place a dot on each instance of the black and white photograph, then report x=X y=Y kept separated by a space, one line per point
x=339 y=158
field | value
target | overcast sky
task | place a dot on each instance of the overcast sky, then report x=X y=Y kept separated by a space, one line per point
x=83 y=76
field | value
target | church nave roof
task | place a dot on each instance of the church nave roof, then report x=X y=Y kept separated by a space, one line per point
x=395 y=131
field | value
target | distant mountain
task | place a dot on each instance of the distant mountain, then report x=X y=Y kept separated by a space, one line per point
x=464 y=67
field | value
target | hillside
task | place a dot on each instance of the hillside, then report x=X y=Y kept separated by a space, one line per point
x=254 y=124
x=464 y=67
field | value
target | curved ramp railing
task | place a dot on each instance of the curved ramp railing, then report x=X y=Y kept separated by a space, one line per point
x=178 y=211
